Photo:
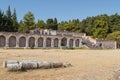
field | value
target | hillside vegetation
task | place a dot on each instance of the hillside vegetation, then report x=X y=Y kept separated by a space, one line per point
x=101 y=26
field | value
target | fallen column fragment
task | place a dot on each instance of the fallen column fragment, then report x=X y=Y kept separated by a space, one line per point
x=9 y=62
x=44 y=65
x=56 y=64
x=15 y=65
x=28 y=64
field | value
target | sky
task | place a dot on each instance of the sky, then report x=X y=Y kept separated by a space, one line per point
x=63 y=10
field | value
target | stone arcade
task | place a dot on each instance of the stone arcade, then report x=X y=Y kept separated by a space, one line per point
x=53 y=39
x=41 y=39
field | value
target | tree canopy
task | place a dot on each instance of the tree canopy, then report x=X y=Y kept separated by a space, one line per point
x=114 y=36
x=101 y=26
x=8 y=21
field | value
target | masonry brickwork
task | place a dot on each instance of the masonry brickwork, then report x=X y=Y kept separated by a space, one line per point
x=52 y=39
x=41 y=39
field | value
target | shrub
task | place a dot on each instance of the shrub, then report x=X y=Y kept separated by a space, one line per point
x=32 y=46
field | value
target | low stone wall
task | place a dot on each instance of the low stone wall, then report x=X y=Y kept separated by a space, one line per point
x=107 y=44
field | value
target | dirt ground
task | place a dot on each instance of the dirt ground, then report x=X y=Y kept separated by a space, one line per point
x=86 y=64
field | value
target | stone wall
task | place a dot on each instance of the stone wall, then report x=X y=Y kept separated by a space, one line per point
x=107 y=44
x=18 y=40
x=59 y=33
x=118 y=44
x=52 y=39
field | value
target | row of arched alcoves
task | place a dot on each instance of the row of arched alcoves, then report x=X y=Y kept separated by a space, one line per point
x=12 y=41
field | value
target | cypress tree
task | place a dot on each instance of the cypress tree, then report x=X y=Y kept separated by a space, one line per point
x=8 y=12
x=15 y=23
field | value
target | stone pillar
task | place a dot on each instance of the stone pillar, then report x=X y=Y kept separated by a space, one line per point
x=68 y=42
x=17 y=42
x=7 y=42
x=52 y=43
x=74 y=43
x=27 y=42
x=44 y=42
x=36 y=42
x=80 y=42
x=59 y=43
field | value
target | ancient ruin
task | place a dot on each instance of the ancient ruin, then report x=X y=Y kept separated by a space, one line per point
x=20 y=65
x=52 y=39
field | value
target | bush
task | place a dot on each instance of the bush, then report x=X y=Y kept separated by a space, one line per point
x=114 y=36
x=32 y=46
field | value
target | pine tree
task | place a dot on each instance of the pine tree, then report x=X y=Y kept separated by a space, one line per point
x=41 y=24
x=55 y=24
x=9 y=22
x=15 y=23
x=49 y=23
x=29 y=20
x=9 y=13
x=1 y=20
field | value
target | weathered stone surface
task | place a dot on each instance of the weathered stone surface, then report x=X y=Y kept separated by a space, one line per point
x=9 y=62
x=13 y=67
x=28 y=64
x=45 y=65
x=56 y=64
x=53 y=39
x=66 y=65
x=47 y=40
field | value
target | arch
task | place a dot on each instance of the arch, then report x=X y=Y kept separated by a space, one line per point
x=56 y=42
x=12 y=41
x=22 y=42
x=71 y=43
x=64 y=42
x=77 y=43
x=31 y=42
x=48 y=42
x=40 y=42
x=2 y=41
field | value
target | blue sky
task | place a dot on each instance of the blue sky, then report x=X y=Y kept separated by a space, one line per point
x=62 y=9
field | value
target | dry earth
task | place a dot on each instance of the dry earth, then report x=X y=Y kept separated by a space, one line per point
x=87 y=64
